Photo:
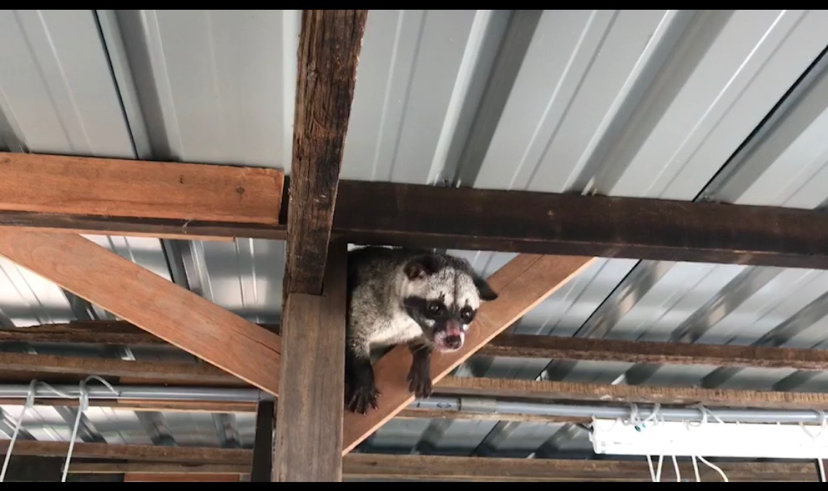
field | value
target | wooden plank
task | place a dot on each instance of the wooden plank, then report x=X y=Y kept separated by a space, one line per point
x=439 y=467
x=513 y=221
x=420 y=413
x=546 y=223
x=263 y=444
x=329 y=47
x=179 y=316
x=568 y=391
x=144 y=453
x=139 y=189
x=155 y=468
x=563 y=348
x=508 y=345
x=138 y=227
x=94 y=332
x=521 y=284
x=111 y=367
x=183 y=477
x=309 y=433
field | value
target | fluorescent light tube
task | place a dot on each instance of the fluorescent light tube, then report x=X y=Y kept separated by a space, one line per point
x=711 y=439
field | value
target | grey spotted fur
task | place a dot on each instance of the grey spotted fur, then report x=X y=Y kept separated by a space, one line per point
x=389 y=294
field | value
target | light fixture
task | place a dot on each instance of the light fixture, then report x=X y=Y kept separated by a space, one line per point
x=710 y=439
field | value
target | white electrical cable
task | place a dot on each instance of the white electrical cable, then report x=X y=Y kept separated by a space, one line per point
x=715 y=468
x=675 y=466
x=652 y=471
x=84 y=405
x=821 y=470
x=29 y=403
x=696 y=468
x=658 y=473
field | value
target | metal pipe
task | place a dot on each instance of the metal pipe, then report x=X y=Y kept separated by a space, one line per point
x=612 y=412
x=98 y=391
x=476 y=404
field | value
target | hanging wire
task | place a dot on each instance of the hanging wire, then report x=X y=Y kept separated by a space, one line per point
x=29 y=403
x=84 y=405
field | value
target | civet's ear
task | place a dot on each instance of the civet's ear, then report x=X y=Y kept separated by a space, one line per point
x=486 y=292
x=420 y=267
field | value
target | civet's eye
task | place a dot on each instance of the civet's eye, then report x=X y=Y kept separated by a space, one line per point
x=435 y=308
x=467 y=315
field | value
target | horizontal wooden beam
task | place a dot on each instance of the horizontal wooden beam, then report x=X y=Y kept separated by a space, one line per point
x=57 y=184
x=427 y=467
x=512 y=221
x=421 y=413
x=144 y=453
x=568 y=391
x=180 y=373
x=508 y=345
x=164 y=460
x=175 y=314
x=92 y=332
x=563 y=348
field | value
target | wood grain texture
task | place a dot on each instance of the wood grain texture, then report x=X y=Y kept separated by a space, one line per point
x=135 y=188
x=262 y=468
x=471 y=469
x=138 y=227
x=111 y=367
x=521 y=284
x=548 y=223
x=563 y=348
x=181 y=477
x=94 y=332
x=442 y=468
x=309 y=432
x=420 y=413
x=143 y=453
x=179 y=316
x=568 y=391
x=329 y=46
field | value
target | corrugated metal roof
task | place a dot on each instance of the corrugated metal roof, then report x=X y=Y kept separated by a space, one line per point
x=686 y=105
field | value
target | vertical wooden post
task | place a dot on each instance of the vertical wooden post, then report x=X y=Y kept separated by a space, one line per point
x=310 y=408
x=263 y=444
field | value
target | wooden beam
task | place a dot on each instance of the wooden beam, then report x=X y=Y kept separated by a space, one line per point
x=181 y=477
x=440 y=467
x=546 y=223
x=111 y=367
x=99 y=187
x=329 y=47
x=508 y=345
x=309 y=433
x=563 y=348
x=568 y=391
x=521 y=284
x=263 y=444
x=93 y=332
x=138 y=227
x=143 y=453
x=412 y=215
x=29 y=468
x=147 y=300
x=421 y=413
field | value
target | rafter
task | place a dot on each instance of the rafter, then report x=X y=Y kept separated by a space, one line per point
x=147 y=300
